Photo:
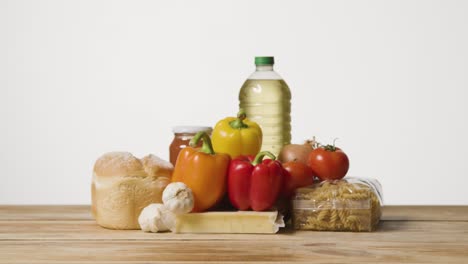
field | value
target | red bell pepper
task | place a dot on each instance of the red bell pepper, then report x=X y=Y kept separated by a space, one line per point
x=256 y=184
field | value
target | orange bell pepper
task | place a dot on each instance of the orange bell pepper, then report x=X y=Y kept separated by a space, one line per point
x=203 y=171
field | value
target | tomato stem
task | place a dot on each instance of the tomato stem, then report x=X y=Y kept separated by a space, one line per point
x=334 y=140
x=331 y=148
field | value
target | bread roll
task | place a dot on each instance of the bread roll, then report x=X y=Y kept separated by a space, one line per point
x=123 y=185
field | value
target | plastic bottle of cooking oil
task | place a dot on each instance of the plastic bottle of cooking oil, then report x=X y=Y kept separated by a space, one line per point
x=266 y=99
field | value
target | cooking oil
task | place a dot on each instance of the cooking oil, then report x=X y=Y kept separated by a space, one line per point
x=266 y=98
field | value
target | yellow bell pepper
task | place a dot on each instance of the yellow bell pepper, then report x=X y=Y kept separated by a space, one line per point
x=237 y=136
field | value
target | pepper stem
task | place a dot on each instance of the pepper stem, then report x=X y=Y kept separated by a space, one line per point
x=206 y=147
x=238 y=122
x=258 y=159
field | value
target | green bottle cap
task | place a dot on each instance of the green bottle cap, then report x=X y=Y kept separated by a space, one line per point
x=264 y=60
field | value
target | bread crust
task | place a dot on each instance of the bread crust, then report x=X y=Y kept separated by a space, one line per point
x=122 y=185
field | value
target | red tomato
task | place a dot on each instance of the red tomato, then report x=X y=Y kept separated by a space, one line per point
x=297 y=175
x=328 y=163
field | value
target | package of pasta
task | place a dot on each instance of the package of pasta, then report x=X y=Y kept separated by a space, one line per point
x=350 y=204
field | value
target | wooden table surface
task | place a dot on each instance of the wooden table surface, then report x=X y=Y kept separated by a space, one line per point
x=68 y=234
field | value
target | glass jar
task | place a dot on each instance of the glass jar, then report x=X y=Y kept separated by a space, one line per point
x=182 y=137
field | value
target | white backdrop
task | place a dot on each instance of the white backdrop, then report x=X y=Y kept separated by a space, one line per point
x=81 y=78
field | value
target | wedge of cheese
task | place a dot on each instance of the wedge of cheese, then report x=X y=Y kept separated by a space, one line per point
x=242 y=222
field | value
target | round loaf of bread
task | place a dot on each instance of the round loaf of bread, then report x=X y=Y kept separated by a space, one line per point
x=123 y=185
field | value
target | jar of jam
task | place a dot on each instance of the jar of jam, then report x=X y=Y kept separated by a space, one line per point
x=182 y=137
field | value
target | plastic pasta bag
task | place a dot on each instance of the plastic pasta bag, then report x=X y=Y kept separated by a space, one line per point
x=350 y=204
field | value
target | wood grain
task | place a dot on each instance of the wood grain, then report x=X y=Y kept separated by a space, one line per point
x=232 y=251
x=425 y=213
x=83 y=212
x=45 y=212
x=68 y=234
x=393 y=231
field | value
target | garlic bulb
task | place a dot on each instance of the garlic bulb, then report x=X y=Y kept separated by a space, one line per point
x=155 y=218
x=178 y=198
